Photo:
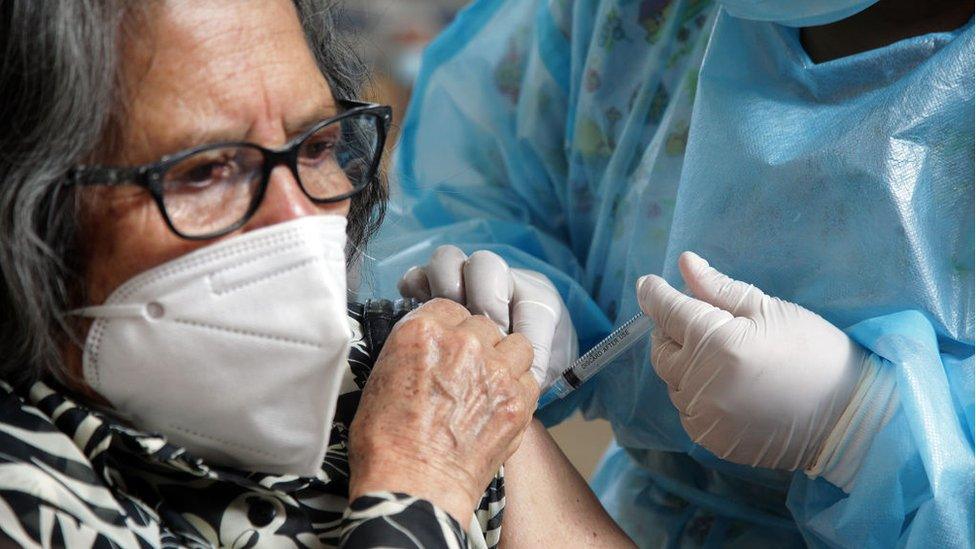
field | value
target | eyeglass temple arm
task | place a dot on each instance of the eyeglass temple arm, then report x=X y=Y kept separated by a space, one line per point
x=386 y=111
x=96 y=175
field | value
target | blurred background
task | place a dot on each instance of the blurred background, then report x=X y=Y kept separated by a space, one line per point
x=391 y=36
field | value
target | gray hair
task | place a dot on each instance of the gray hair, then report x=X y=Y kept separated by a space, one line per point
x=59 y=75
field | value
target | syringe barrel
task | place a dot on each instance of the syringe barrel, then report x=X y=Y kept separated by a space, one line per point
x=610 y=348
x=597 y=358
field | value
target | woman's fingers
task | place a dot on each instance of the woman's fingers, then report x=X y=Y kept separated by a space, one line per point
x=518 y=352
x=530 y=387
x=484 y=329
x=527 y=395
x=443 y=311
x=439 y=414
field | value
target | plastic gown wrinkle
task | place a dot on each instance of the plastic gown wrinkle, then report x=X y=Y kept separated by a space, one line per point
x=845 y=186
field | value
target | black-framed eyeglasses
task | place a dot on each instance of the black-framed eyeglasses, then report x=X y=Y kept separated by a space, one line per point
x=208 y=191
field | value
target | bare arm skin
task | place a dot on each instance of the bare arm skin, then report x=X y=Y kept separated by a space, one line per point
x=548 y=503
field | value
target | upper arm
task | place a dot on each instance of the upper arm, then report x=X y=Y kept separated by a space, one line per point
x=548 y=503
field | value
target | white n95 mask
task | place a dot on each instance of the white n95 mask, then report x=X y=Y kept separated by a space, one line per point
x=236 y=350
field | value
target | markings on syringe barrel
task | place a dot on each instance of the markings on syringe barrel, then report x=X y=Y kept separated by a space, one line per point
x=592 y=355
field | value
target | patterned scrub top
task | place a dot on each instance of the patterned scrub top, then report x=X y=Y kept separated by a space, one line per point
x=75 y=477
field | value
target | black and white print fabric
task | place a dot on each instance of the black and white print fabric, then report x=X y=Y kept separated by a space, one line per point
x=75 y=477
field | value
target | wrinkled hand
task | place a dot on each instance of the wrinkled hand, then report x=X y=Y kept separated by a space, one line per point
x=519 y=301
x=446 y=404
x=757 y=380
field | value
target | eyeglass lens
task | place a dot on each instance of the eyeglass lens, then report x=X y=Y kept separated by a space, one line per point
x=214 y=189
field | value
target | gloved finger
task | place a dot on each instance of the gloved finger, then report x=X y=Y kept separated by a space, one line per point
x=444 y=273
x=724 y=439
x=685 y=395
x=672 y=364
x=488 y=287
x=682 y=318
x=664 y=358
x=706 y=430
x=536 y=310
x=414 y=284
x=711 y=286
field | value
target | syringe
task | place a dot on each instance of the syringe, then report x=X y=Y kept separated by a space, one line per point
x=597 y=358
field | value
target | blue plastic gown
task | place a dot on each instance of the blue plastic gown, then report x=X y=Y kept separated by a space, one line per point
x=807 y=13
x=596 y=140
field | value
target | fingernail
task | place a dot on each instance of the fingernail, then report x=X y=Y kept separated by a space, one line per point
x=693 y=260
x=641 y=281
x=644 y=285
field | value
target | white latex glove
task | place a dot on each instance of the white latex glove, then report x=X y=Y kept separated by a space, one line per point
x=757 y=380
x=518 y=300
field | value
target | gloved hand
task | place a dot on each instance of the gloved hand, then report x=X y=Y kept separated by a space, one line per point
x=757 y=380
x=517 y=300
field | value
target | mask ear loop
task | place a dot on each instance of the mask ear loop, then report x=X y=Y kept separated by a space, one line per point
x=104 y=312
x=151 y=310
x=130 y=310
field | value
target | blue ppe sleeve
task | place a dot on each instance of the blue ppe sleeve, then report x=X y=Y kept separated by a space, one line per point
x=914 y=487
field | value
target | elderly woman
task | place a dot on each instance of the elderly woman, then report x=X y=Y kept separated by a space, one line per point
x=179 y=365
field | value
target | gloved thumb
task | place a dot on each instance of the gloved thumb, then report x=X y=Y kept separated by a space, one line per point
x=711 y=286
x=682 y=318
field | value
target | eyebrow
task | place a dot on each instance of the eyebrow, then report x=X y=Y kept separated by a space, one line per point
x=225 y=133
x=305 y=122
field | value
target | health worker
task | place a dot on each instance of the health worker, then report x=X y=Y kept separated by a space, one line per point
x=809 y=379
